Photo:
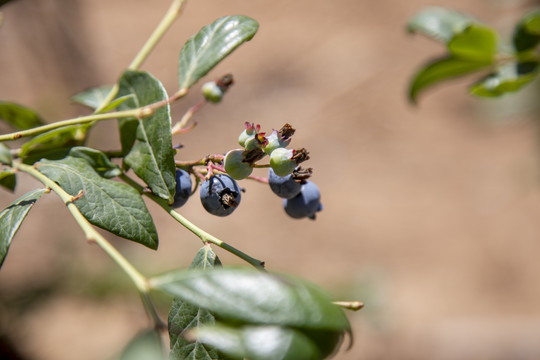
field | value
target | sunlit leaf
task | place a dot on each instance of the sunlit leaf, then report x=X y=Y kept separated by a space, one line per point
x=259 y=342
x=12 y=217
x=150 y=154
x=98 y=160
x=440 y=70
x=144 y=346
x=212 y=44
x=439 y=23
x=476 y=42
x=64 y=137
x=184 y=316
x=18 y=116
x=508 y=78
x=5 y=155
x=527 y=32
x=110 y=205
x=8 y=180
x=255 y=297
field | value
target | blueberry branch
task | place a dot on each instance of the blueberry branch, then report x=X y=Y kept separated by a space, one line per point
x=141 y=112
x=93 y=236
x=75 y=121
x=200 y=233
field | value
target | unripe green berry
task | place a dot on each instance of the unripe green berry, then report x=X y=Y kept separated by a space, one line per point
x=212 y=92
x=282 y=162
x=275 y=141
x=249 y=133
x=235 y=166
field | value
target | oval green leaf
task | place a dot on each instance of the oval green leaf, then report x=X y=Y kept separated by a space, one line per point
x=212 y=44
x=440 y=70
x=259 y=342
x=148 y=149
x=18 y=116
x=509 y=78
x=184 y=317
x=476 y=42
x=255 y=297
x=12 y=217
x=110 y=205
x=527 y=32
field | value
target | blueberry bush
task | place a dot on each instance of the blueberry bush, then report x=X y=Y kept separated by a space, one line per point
x=217 y=312
x=473 y=47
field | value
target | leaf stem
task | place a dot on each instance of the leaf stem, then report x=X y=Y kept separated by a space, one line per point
x=92 y=235
x=168 y=19
x=203 y=235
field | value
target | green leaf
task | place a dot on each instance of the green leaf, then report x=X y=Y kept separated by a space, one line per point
x=94 y=97
x=259 y=342
x=184 y=316
x=12 y=217
x=527 y=32
x=98 y=160
x=5 y=155
x=212 y=44
x=151 y=157
x=255 y=297
x=508 y=78
x=144 y=346
x=439 y=23
x=64 y=137
x=18 y=116
x=442 y=69
x=476 y=42
x=110 y=205
x=8 y=179
x=206 y=259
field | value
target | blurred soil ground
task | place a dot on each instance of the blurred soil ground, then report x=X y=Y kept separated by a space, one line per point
x=431 y=213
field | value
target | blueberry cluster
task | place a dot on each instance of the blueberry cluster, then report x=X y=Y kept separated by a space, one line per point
x=301 y=197
x=220 y=194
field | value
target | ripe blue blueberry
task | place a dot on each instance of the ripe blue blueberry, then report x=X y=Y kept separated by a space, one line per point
x=285 y=187
x=306 y=204
x=220 y=195
x=183 y=188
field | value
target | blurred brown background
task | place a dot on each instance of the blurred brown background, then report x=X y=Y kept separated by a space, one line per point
x=431 y=213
